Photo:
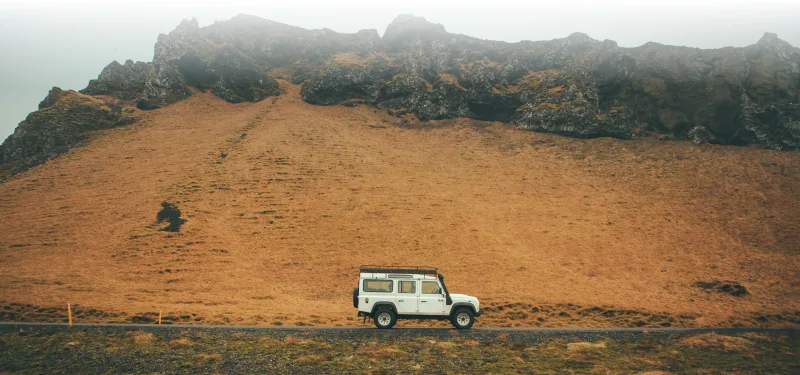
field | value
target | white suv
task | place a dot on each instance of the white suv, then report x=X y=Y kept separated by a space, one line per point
x=388 y=293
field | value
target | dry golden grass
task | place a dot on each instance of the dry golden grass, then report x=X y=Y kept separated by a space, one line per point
x=289 y=339
x=304 y=194
x=280 y=73
x=141 y=337
x=310 y=359
x=534 y=79
x=203 y=359
x=717 y=341
x=180 y=343
x=583 y=346
x=351 y=58
x=470 y=343
x=384 y=352
x=449 y=78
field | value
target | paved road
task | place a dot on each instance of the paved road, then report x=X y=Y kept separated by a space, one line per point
x=480 y=333
x=369 y=327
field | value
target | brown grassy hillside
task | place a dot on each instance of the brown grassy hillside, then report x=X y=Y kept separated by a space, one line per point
x=284 y=201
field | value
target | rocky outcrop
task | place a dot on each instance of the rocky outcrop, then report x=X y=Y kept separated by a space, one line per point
x=230 y=58
x=63 y=120
x=186 y=58
x=123 y=81
x=149 y=85
x=575 y=86
x=204 y=63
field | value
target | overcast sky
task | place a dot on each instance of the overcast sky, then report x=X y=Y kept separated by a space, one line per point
x=67 y=43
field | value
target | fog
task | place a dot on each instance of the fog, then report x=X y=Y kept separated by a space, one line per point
x=67 y=43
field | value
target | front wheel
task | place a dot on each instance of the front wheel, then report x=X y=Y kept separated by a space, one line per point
x=463 y=318
x=384 y=319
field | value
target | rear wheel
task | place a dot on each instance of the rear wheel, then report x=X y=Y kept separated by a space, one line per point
x=463 y=318
x=355 y=297
x=384 y=318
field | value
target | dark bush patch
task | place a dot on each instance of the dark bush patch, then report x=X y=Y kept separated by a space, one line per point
x=729 y=287
x=146 y=105
x=115 y=109
x=170 y=213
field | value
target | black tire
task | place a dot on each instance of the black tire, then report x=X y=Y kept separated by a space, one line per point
x=384 y=318
x=355 y=297
x=463 y=318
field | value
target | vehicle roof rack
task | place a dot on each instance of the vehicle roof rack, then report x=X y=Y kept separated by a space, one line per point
x=415 y=270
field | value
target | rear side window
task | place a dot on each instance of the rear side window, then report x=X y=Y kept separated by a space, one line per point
x=407 y=287
x=378 y=286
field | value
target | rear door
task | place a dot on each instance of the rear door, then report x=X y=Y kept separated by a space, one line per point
x=407 y=297
x=431 y=298
x=376 y=290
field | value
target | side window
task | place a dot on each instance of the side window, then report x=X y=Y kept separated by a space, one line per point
x=430 y=287
x=378 y=286
x=407 y=287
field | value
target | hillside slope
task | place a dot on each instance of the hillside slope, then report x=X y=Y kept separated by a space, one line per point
x=284 y=200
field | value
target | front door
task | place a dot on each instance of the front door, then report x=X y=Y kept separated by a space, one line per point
x=407 y=297
x=431 y=298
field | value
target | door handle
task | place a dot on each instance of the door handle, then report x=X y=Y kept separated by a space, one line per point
x=399 y=300
x=424 y=301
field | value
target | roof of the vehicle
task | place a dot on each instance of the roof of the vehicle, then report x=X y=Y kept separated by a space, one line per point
x=414 y=270
x=397 y=276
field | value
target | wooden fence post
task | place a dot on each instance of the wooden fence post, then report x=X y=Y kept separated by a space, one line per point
x=69 y=314
x=159 y=316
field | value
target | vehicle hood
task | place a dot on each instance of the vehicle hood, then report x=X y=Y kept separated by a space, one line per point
x=463 y=298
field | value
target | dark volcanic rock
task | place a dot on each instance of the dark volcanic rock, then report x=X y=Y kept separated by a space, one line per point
x=164 y=85
x=151 y=85
x=240 y=79
x=214 y=61
x=123 y=81
x=183 y=58
x=576 y=86
x=64 y=120
x=232 y=58
x=406 y=30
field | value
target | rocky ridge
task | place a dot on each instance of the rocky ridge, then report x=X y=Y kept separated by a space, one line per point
x=575 y=86
x=64 y=119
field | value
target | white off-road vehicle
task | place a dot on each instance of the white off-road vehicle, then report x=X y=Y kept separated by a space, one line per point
x=388 y=293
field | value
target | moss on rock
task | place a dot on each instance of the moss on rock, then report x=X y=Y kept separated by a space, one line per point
x=65 y=119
